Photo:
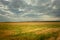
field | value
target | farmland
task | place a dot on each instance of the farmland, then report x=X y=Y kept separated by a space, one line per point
x=29 y=30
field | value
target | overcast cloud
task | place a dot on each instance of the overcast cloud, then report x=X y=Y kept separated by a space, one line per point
x=29 y=10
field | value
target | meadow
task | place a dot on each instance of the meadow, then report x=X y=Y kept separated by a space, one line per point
x=29 y=30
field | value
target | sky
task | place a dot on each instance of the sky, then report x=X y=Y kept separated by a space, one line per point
x=29 y=10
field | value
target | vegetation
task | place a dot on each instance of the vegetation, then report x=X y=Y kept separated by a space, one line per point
x=29 y=32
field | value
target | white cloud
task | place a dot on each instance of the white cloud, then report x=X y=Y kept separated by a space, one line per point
x=54 y=7
x=4 y=16
x=28 y=1
x=52 y=1
x=49 y=18
x=6 y=0
x=7 y=12
x=21 y=9
x=31 y=2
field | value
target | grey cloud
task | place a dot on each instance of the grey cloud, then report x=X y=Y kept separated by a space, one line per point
x=3 y=12
x=56 y=12
x=5 y=3
x=17 y=3
x=32 y=15
x=40 y=7
x=4 y=19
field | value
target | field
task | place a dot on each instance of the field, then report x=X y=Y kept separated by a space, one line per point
x=29 y=30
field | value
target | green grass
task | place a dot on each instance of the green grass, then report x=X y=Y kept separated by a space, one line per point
x=31 y=36
x=28 y=35
x=18 y=27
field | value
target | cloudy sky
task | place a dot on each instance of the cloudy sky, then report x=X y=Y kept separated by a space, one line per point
x=29 y=10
